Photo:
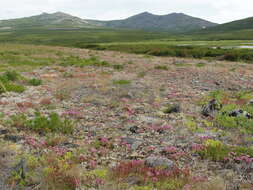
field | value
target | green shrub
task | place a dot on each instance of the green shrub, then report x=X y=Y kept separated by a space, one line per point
x=214 y=150
x=35 y=82
x=161 y=67
x=11 y=87
x=231 y=56
x=217 y=151
x=121 y=82
x=11 y=76
x=200 y=64
x=141 y=74
x=40 y=123
x=118 y=67
x=10 y=81
x=68 y=75
x=14 y=87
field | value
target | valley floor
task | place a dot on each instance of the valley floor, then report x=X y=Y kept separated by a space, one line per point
x=124 y=110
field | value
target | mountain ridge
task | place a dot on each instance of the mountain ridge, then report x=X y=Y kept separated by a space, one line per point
x=173 y=22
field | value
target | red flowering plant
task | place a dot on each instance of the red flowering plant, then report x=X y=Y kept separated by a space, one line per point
x=148 y=175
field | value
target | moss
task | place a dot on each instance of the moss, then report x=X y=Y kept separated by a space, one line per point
x=200 y=64
x=121 y=82
x=161 y=67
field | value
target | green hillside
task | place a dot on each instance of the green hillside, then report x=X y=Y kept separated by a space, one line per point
x=243 y=24
x=57 y=19
x=175 y=22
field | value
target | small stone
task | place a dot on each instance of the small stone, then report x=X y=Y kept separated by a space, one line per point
x=134 y=129
x=135 y=143
x=21 y=168
x=12 y=138
x=239 y=112
x=133 y=180
x=69 y=145
x=154 y=161
x=4 y=131
x=172 y=109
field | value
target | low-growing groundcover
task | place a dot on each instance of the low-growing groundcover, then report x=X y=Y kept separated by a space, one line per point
x=12 y=81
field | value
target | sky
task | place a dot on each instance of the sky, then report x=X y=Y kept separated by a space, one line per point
x=216 y=11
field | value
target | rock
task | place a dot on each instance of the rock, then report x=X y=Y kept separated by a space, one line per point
x=172 y=109
x=12 y=138
x=134 y=129
x=4 y=131
x=69 y=145
x=154 y=161
x=211 y=108
x=133 y=180
x=149 y=120
x=135 y=143
x=21 y=168
x=239 y=112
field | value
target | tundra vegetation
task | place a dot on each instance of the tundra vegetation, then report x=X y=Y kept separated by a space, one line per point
x=85 y=119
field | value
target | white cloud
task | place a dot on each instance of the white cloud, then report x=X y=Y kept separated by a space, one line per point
x=216 y=11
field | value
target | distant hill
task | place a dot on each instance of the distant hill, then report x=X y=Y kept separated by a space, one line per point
x=175 y=22
x=243 y=24
x=57 y=19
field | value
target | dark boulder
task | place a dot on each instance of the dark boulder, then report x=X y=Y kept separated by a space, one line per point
x=134 y=129
x=12 y=138
x=238 y=113
x=211 y=108
x=21 y=168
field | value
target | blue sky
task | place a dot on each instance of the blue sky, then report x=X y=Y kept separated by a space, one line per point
x=217 y=11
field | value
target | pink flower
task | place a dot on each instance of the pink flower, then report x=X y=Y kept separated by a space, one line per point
x=151 y=148
x=197 y=147
x=99 y=181
x=161 y=128
x=58 y=150
x=197 y=179
x=187 y=187
x=93 y=164
x=150 y=174
x=170 y=149
x=167 y=127
x=93 y=150
x=104 y=140
x=154 y=179
x=77 y=182
x=203 y=138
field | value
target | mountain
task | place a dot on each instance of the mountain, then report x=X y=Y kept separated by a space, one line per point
x=175 y=22
x=58 y=19
x=243 y=24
